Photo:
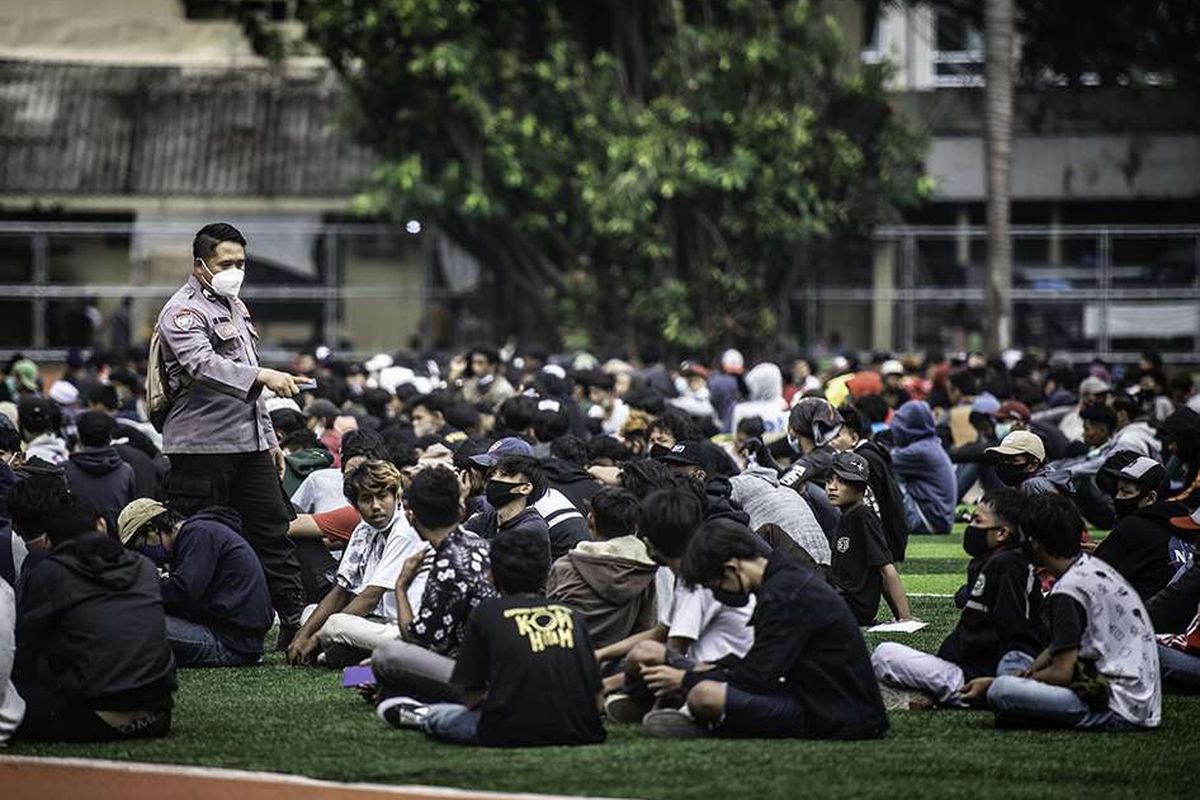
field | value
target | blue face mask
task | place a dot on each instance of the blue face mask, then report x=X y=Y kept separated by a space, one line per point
x=155 y=552
x=1003 y=429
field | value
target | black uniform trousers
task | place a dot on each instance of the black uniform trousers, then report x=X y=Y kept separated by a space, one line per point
x=248 y=483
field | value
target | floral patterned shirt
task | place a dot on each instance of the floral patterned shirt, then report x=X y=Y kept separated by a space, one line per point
x=458 y=581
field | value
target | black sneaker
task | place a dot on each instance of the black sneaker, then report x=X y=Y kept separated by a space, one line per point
x=624 y=709
x=403 y=712
x=668 y=724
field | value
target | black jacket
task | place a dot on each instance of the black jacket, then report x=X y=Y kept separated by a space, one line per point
x=718 y=501
x=148 y=479
x=486 y=524
x=807 y=644
x=1174 y=608
x=103 y=479
x=1001 y=605
x=90 y=621
x=887 y=497
x=1139 y=547
x=572 y=480
x=217 y=581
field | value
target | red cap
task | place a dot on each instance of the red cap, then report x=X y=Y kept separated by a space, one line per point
x=1013 y=409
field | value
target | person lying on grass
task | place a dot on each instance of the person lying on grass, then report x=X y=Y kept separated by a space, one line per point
x=999 y=631
x=1101 y=670
x=359 y=612
x=807 y=675
x=862 y=568
x=693 y=626
x=527 y=669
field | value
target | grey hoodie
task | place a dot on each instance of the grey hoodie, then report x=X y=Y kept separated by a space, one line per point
x=758 y=492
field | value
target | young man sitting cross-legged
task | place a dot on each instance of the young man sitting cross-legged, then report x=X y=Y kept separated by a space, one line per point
x=999 y=631
x=693 y=625
x=1101 y=670
x=526 y=667
x=807 y=675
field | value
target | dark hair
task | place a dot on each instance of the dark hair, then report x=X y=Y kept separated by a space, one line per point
x=600 y=379
x=520 y=560
x=678 y=424
x=462 y=417
x=211 y=235
x=376 y=401
x=874 y=408
x=527 y=466
x=1054 y=522
x=668 y=518
x=570 y=449
x=296 y=440
x=1123 y=402
x=72 y=519
x=751 y=427
x=433 y=497
x=1007 y=505
x=37 y=415
x=715 y=543
x=645 y=399
x=433 y=403
x=372 y=476
x=1101 y=414
x=644 y=475
x=95 y=428
x=550 y=423
x=104 y=395
x=855 y=421
x=609 y=447
x=493 y=357
x=33 y=501
x=286 y=421
x=515 y=414
x=615 y=512
x=10 y=439
x=401 y=453
x=363 y=442
x=965 y=382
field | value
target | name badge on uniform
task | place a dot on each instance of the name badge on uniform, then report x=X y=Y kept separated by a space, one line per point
x=185 y=320
x=226 y=331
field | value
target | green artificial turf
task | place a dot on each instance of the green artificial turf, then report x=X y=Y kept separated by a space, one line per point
x=282 y=719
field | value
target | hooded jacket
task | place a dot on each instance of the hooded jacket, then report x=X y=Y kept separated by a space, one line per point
x=611 y=583
x=301 y=464
x=575 y=482
x=49 y=448
x=765 y=385
x=90 y=621
x=921 y=464
x=719 y=504
x=1141 y=548
x=217 y=580
x=758 y=492
x=102 y=478
x=884 y=497
x=1183 y=428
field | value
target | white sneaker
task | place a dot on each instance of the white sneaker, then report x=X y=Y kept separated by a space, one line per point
x=403 y=712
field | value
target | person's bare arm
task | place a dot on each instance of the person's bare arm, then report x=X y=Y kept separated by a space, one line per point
x=893 y=592
x=621 y=649
x=1060 y=670
x=365 y=601
x=305 y=526
x=304 y=643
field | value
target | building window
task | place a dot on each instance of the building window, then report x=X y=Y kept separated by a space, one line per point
x=958 y=52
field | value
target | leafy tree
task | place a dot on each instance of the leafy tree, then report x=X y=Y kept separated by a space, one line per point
x=629 y=170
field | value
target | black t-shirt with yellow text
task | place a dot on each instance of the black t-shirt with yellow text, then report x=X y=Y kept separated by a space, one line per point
x=536 y=661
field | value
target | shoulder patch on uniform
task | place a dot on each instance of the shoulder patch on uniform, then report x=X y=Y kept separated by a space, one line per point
x=843 y=544
x=185 y=320
x=226 y=330
x=980 y=585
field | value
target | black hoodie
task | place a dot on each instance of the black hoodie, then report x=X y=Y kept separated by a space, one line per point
x=575 y=482
x=1139 y=547
x=102 y=478
x=90 y=622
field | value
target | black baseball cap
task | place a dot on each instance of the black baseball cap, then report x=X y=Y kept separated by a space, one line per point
x=851 y=467
x=684 y=453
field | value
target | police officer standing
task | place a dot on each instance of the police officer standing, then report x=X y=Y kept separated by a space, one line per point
x=217 y=434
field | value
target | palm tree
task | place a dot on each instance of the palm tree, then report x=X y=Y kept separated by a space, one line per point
x=998 y=72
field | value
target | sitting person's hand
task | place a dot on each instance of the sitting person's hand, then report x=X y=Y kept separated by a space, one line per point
x=302 y=650
x=975 y=692
x=662 y=679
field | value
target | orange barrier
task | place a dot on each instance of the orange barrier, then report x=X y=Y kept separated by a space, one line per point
x=26 y=778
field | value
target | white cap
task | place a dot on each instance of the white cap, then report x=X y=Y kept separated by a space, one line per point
x=277 y=403
x=555 y=370
x=891 y=367
x=64 y=393
x=733 y=361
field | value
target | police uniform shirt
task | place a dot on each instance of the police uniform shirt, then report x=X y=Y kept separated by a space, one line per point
x=211 y=341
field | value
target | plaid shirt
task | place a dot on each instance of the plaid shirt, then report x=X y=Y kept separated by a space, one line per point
x=458 y=582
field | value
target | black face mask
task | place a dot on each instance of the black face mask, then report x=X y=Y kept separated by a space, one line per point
x=1124 y=506
x=738 y=599
x=658 y=451
x=499 y=493
x=975 y=540
x=1011 y=474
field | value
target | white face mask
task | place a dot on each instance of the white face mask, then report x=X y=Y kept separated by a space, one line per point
x=226 y=283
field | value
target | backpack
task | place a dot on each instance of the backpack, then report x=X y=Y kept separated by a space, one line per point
x=159 y=399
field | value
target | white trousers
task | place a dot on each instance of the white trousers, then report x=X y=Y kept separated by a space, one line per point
x=901 y=665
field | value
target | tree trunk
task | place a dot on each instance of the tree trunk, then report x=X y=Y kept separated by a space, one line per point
x=998 y=72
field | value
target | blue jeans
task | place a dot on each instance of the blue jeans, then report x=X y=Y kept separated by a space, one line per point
x=1014 y=662
x=1178 y=668
x=1029 y=701
x=197 y=646
x=452 y=723
x=914 y=517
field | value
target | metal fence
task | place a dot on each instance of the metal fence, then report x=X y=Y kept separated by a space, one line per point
x=1095 y=290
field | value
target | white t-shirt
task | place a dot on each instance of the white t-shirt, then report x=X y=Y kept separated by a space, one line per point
x=403 y=543
x=1117 y=638
x=12 y=706
x=321 y=491
x=716 y=629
